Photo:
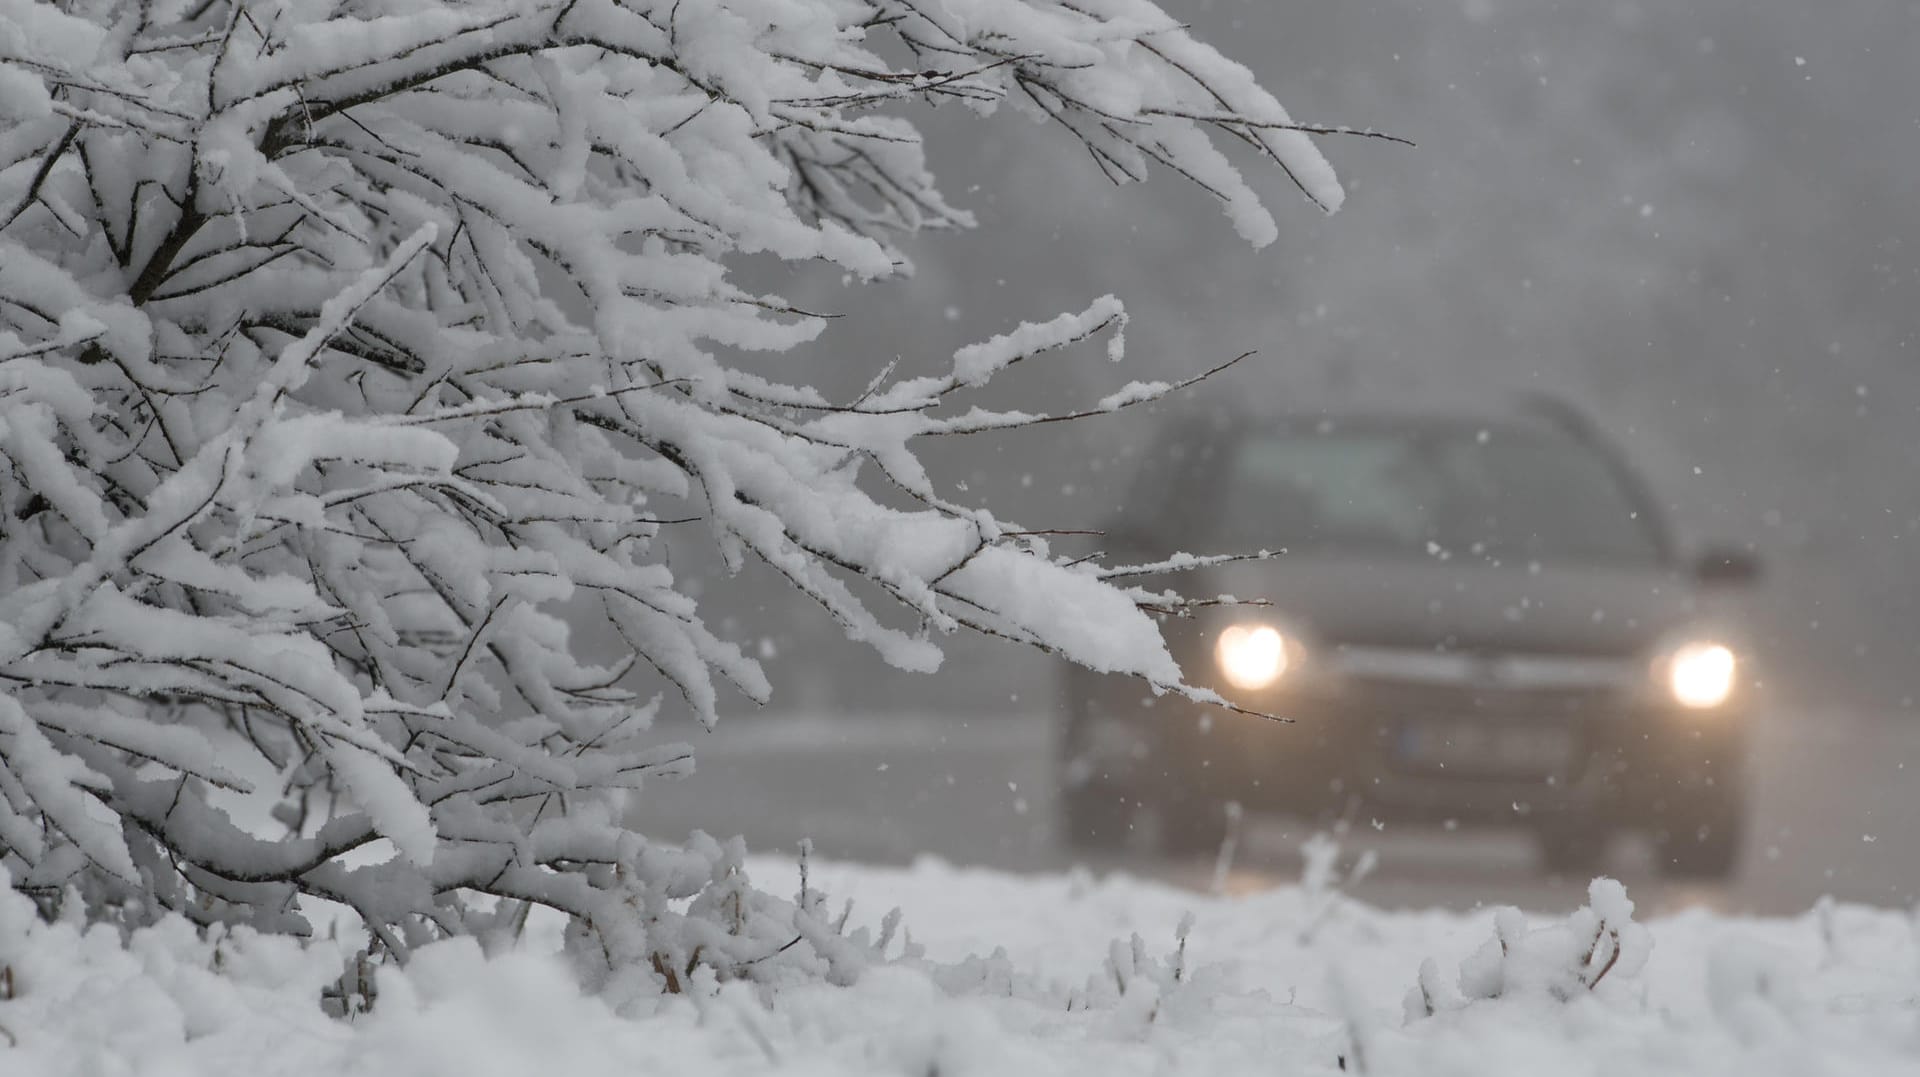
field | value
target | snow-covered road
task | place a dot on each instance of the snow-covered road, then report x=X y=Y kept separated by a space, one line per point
x=1835 y=798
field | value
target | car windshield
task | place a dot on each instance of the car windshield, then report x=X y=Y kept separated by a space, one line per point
x=1513 y=495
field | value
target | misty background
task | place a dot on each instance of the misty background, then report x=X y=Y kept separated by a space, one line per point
x=1696 y=220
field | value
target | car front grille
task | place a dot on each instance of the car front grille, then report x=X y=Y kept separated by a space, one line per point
x=1394 y=683
x=1392 y=699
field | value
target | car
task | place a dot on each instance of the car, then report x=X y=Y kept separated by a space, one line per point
x=1471 y=618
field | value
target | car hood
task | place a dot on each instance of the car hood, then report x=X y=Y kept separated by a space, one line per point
x=1425 y=604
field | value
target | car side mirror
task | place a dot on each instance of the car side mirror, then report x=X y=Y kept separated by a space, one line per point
x=1727 y=566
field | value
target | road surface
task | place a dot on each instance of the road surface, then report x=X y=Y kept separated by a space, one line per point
x=1836 y=812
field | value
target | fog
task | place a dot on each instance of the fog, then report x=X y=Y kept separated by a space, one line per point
x=1696 y=221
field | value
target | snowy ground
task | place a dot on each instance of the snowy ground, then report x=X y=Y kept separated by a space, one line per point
x=1020 y=973
x=1289 y=980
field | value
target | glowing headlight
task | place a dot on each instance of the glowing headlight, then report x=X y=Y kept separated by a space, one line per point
x=1700 y=675
x=1251 y=656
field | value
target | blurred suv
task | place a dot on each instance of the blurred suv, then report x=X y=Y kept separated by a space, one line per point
x=1471 y=620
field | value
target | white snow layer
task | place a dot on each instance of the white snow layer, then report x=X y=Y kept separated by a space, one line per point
x=1047 y=975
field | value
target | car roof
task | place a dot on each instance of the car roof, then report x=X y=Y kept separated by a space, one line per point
x=1536 y=413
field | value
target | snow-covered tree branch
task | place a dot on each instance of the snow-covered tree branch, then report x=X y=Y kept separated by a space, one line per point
x=353 y=353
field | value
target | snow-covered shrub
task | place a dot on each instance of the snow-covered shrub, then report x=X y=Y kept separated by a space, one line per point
x=1133 y=983
x=1135 y=988
x=355 y=355
x=1322 y=882
x=1559 y=961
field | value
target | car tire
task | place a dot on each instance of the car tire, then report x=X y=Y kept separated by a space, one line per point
x=1708 y=848
x=1192 y=826
x=1572 y=849
x=1096 y=816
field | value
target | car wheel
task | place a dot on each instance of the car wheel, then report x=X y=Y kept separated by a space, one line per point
x=1099 y=778
x=1192 y=825
x=1571 y=848
x=1708 y=848
x=1095 y=816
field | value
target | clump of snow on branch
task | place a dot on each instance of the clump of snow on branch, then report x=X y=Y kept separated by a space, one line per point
x=354 y=356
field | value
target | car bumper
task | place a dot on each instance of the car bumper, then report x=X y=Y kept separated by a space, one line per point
x=1435 y=758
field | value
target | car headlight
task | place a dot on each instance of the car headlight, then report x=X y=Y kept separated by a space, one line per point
x=1251 y=656
x=1700 y=675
